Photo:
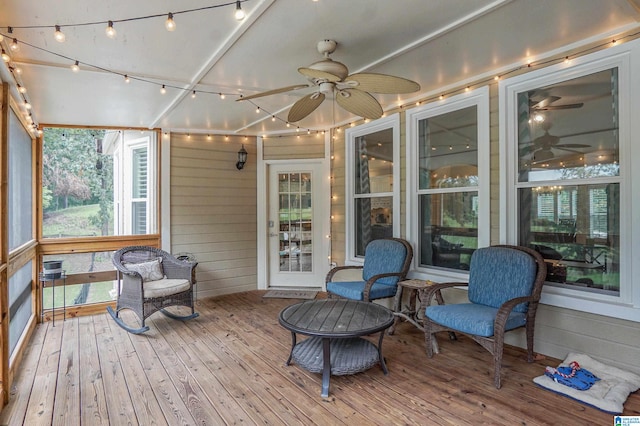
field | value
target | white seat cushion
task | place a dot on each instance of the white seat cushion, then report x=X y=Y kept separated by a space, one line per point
x=165 y=287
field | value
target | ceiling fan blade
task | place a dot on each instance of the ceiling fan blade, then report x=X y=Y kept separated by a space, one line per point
x=572 y=145
x=305 y=106
x=544 y=102
x=381 y=83
x=273 y=92
x=555 y=107
x=319 y=75
x=359 y=103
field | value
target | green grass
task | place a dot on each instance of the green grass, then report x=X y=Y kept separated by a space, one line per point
x=71 y=222
x=98 y=292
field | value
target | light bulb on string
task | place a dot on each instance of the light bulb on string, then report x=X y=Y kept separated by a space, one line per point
x=110 y=31
x=163 y=89
x=193 y=95
x=239 y=14
x=14 y=45
x=22 y=89
x=75 y=67
x=59 y=35
x=170 y=24
x=126 y=78
x=5 y=57
x=27 y=105
x=222 y=96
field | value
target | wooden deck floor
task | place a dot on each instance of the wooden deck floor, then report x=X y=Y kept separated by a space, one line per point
x=228 y=367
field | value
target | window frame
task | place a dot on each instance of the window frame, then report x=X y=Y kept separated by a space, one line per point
x=480 y=99
x=626 y=58
x=389 y=122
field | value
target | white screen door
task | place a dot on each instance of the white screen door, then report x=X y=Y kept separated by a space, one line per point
x=295 y=249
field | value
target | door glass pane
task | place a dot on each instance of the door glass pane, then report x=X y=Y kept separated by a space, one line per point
x=295 y=224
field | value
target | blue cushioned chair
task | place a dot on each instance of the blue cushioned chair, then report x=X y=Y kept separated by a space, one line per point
x=386 y=261
x=504 y=288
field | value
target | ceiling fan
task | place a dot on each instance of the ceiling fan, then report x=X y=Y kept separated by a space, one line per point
x=542 y=147
x=350 y=91
x=546 y=102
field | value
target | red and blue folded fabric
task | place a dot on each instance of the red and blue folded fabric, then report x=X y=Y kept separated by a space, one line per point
x=572 y=375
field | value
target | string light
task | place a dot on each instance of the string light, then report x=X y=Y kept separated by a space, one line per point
x=75 y=67
x=59 y=35
x=258 y=110
x=163 y=89
x=22 y=89
x=5 y=57
x=170 y=24
x=110 y=31
x=14 y=45
x=222 y=96
x=126 y=79
x=27 y=105
x=239 y=15
x=193 y=95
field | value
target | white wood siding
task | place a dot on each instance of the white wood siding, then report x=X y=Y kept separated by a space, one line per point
x=294 y=147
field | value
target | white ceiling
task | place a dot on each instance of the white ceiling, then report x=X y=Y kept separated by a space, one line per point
x=437 y=43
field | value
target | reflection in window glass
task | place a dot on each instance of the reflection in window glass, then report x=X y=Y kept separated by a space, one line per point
x=373 y=183
x=449 y=233
x=568 y=133
x=569 y=130
x=448 y=168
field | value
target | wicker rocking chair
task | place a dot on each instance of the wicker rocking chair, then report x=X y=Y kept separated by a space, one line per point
x=150 y=280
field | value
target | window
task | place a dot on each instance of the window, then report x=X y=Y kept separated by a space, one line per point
x=98 y=182
x=447 y=174
x=372 y=158
x=565 y=149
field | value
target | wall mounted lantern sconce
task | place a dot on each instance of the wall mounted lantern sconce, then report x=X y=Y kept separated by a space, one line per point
x=242 y=158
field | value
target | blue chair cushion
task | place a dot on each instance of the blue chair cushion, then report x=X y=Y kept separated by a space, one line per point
x=353 y=290
x=384 y=256
x=472 y=318
x=498 y=274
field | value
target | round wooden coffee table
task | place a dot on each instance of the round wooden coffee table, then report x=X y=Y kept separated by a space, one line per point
x=336 y=326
